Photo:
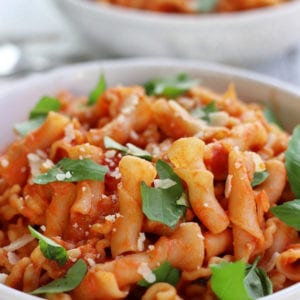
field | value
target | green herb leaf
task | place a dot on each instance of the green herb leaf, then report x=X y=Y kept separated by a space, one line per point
x=292 y=161
x=203 y=112
x=207 y=5
x=43 y=107
x=171 y=87
x=288 y=212
x=69 y=282
x=164 y=273
x=259 y=177
x=72 y=170
x=49 y=248
x=227 y=281
x=25 y=127
x=257 y=282
x=271 y=117
x=98 y=90
x=161 y=204
x=131 y=149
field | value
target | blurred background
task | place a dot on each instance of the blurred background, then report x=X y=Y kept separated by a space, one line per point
x=35 y=36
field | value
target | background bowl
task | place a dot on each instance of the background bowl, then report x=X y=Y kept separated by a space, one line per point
x=242 y=38
x=80 y=79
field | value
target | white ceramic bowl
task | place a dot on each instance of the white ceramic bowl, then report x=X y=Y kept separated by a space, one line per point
x=80 y=79
x=242 y=38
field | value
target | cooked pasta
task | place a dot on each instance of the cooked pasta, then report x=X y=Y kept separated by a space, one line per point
x=144 y=194
x=194 y=6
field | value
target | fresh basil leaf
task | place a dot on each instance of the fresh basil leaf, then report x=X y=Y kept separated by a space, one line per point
x=109 y=143
x=26 y=127
x=271 y=117
x=259 y=177
x=69 y=282
x=98 y=90
x=288 y=212
x=257 y=282
x=165 y=171
x=131 y=149
x=207 y=5
x=170 y=87
x=227 y=281
x=43 y=107
x=49 y=248
x=160 y=204
x=203 y=112
x=292 y=161
x=164 y=273
x=72 y=170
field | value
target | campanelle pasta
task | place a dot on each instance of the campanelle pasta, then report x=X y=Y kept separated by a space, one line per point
x=143 y=195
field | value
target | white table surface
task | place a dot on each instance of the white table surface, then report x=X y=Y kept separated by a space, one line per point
x=34 y=19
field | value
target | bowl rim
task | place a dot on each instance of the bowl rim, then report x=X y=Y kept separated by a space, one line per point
x=164 y=18
x=135 y=63
x=222 y=69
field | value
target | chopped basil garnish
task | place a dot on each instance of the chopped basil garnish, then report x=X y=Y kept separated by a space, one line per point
x=203 y=112
x=69 y=282
x=160 y=204
x=38 y=115
x=257 y=282
x=292 y=161
x=25 y=127
x=129 y=149
x=72 y=170
x=271 y=117
x=207 y=5
x=97 y=91
x=44 y=105
x=259 y=177
x=289 y=213
x=170 y=87
x=49 y=248
x=227 y=281
x=164 y=273
x=247 y=281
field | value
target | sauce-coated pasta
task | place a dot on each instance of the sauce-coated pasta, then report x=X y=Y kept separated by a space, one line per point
x=145 y=190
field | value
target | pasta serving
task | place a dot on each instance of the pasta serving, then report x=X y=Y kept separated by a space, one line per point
x=163 y=191
x=194 y=6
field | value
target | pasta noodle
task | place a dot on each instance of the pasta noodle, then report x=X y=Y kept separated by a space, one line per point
x=176 y=197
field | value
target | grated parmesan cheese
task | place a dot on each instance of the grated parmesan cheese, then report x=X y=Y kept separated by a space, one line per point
x=219 y=118
x=110 y=153
x=12 y=258
x=91 y=262
x=4 y=163
x=110 y=218
x=116 y=173
x=69 y=133
x=19 y=243
x=228 y=185
x=140 y=241
x=258 y=162
x=146 y=272
x=151 y=247
x=3 y=277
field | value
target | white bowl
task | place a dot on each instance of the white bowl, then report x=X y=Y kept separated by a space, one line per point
x=242 y=38
x=17 y=102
